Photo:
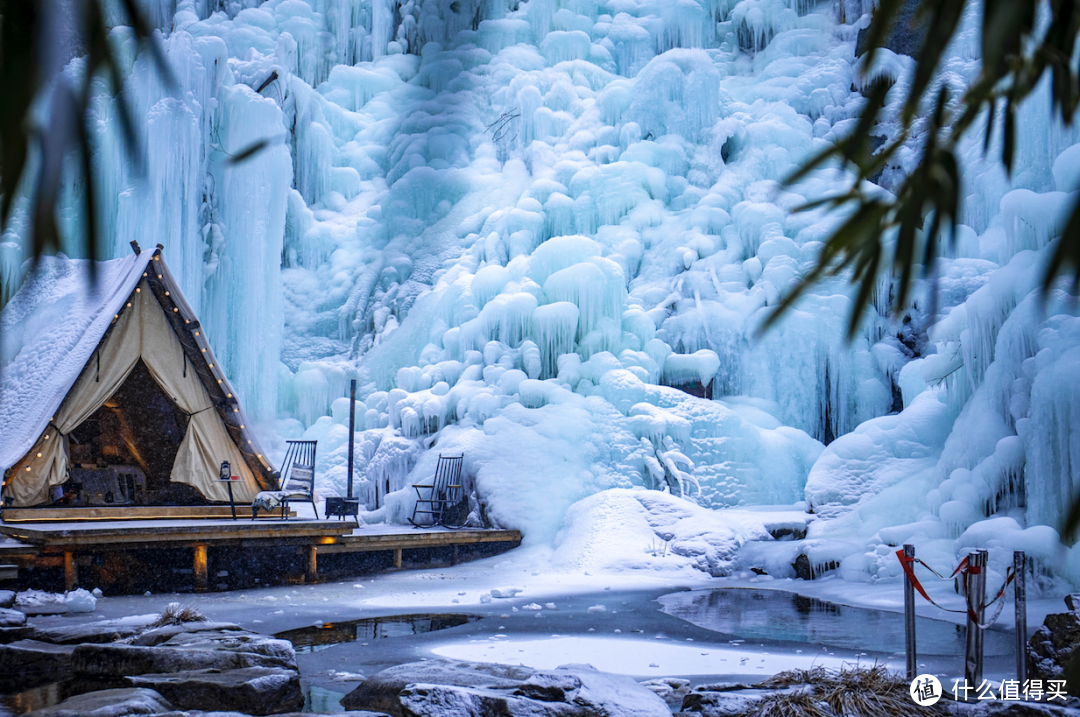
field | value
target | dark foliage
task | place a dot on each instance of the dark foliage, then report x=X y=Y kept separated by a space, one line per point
x=26 y=46
x=1014 y=59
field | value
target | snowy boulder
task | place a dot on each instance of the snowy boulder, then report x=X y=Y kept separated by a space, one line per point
x=109 y=703
x=568 y=691
x=717 y=704
x=158 y=635
x=7 y=598
x=671 y=690
x=251 y=690
x=1055 y=643
x=12 y=618
x=113 y=661
x=95 y=632
x=380 y=691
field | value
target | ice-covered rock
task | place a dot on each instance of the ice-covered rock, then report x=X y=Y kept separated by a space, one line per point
x=381 y=690
x=569 y=691
x=1056 y=643
x=251 y=690
x=122 y=702
x=12 y=618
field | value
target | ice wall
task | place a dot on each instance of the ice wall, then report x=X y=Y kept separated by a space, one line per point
x=531 y=230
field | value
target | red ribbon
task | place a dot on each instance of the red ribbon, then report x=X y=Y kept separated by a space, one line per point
x=965 y=569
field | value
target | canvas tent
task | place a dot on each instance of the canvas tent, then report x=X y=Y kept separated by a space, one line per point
x=110 y=392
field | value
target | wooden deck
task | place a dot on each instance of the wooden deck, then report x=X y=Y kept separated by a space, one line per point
x=128 y=512
x=53 y=544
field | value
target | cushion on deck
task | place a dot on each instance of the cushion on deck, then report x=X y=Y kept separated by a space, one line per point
x=268 y=500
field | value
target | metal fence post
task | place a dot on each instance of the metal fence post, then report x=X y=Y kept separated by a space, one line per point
x=1019 y=566
x=976 y=597
x=909 y=619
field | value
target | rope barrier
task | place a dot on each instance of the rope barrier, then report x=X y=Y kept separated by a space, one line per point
x=964 y=570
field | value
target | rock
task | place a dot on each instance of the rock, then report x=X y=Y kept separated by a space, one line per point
x=1073 y=602
x=109 y=703
x=423 y=700
x=906 y=35
x=25 y=663
x=568 y=691
x=199 y=713
x=114 y=661
x=670 y=689
x=100 y=632
x=11 y=634
x=380 y=691
x=722 y=687
x=253 y=690
x=1055 y=644
x=12 y=618
x=7 y=598
x=717 y=704
x=158 y=635
x=280 y=653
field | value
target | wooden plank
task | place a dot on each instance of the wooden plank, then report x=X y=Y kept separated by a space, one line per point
x=100 y=536
x=128 y=512
x=360 y=542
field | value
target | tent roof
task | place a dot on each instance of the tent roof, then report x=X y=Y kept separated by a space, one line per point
x=54 y=323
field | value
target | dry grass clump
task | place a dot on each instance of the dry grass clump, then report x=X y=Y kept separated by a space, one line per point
x=848 y=692
x=788 y=704
x=177 y=614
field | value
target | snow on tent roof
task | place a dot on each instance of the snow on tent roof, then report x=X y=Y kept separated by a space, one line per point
x=48 y=331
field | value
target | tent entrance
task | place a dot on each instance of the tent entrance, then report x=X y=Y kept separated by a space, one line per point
x=123 y=453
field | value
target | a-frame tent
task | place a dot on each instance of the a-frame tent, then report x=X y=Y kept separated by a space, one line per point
x=110 y=375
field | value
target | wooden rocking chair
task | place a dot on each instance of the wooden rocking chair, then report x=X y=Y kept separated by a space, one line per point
x=445 y=500
x=297 y=480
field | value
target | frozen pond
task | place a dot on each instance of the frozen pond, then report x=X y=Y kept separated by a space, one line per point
x=343 y=631
x=776 y=615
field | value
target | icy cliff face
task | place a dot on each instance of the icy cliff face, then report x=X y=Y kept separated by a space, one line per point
x=530 y=228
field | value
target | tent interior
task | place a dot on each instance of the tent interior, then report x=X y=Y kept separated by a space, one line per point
x=124 y=452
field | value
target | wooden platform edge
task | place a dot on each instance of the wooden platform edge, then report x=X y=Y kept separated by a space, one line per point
x=135 y=512
x=358 y=543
